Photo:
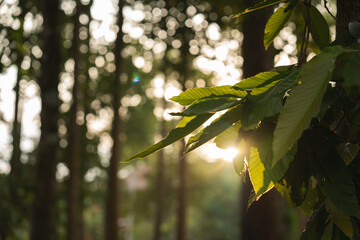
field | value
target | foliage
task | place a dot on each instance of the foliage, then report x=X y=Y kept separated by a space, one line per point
x=297 y=128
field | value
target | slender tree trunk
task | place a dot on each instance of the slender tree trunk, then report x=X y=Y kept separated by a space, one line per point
x=74 y=213
x=160 y=191
x=85 y=105
x=15 y=181
x=263 y=220
x=43 y=226
x=15 y=162
x=181 y=230
x=112 y=209
x=181 y=233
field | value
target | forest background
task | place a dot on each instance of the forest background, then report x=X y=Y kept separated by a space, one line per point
x=69 y=65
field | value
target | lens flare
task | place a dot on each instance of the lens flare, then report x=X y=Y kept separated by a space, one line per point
x=135 y=78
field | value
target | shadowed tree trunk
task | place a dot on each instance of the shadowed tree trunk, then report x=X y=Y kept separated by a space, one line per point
x=43 y=226
x=181 y=230
x=15 y=175
x=15 y=162
x=264 y=219
x=160 y=191
x=74 y=213
x=112 y=199
x=348 y=11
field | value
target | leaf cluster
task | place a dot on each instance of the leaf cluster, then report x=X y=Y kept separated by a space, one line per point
x=296 y=128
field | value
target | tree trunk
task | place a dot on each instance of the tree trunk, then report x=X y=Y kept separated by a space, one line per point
x=44 y=206
x=15 y=162
x=181 y=230
x=182 y=196
x=16 y=182
x=347 y=11
x=160 y=191
x=74 y=213
x=263 y=220
x=112 y=210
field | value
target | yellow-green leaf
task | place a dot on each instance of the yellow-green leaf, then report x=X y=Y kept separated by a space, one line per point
x=258 y=6
x=185 y=127
x=276 y=22
x=191 y=95
x=340 y=219
x=304 y=101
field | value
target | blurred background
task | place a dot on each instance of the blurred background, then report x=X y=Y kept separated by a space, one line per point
x=85 y=84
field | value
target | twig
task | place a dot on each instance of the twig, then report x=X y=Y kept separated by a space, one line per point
x=306 y=35
x=327 y=9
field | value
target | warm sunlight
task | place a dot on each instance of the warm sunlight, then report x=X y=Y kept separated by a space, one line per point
x=229 y=154
x=212 y=153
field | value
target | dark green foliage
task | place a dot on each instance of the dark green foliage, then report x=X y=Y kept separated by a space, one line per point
x=319 y=28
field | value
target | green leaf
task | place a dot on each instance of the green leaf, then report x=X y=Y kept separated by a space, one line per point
x=239 y=160
x=215 y=128
x=330 y=171
x=316 y=225
x=229 y=137
x=319 y=28
x=185 y=127
x=262 y=175
x=327 y=231
x=276 y=22
x=337 y=234
x=258 y=6
x=260 y=80
x=207 y=105
x=292 y=4
x=341 y=220
x=298 y=175
x=304 y=101
x=267 y=104
x=348 y=152
x=311 y=200
x=351 y=70
x=191 y=95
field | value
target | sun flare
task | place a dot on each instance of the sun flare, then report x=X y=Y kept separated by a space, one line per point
x=213 y=153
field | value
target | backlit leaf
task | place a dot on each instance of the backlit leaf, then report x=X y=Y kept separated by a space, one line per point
x=185 y=127
x=215 y=128
x=206 y=105
x=304 y=101
x=276 y=22
x=229 y=137
x=259 y=80
x=262 y=175
x=258 y=6
x=267 y=104
x=191 y=95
